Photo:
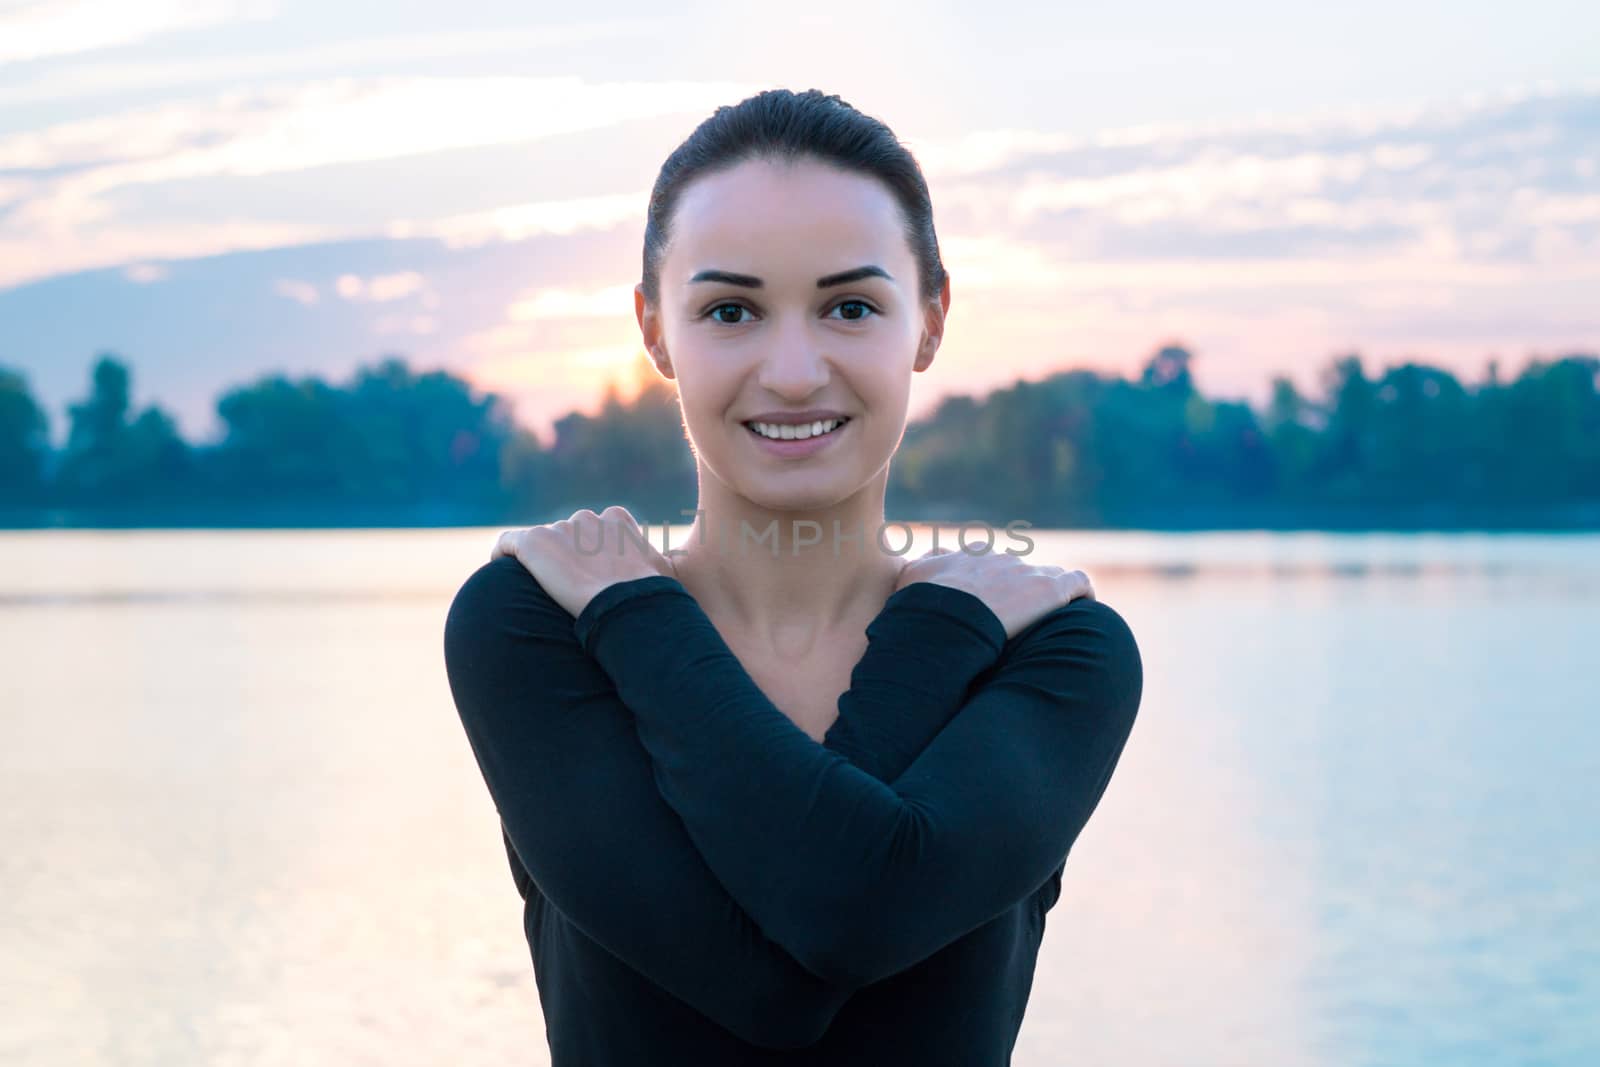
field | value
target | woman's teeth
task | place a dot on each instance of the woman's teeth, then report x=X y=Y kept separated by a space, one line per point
x=796 y=433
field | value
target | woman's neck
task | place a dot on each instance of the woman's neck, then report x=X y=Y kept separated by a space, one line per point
x=783 y=574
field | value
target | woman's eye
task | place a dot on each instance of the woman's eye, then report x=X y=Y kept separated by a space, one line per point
x=858 y=315
x=716 y=313
x=728 y=314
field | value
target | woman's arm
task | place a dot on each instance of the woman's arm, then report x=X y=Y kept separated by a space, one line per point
x=856 y=878
x=580 y=809
x=924 y=649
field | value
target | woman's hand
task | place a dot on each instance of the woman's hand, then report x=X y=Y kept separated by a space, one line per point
x=1018 y=593
x=576 y=558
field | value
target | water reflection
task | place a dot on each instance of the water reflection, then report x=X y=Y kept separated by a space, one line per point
x=1356 y=822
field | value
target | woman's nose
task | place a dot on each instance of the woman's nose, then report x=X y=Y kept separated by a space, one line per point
x=794 y=366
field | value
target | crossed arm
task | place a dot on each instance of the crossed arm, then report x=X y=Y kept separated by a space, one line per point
x=855 y=877
x=581 y=810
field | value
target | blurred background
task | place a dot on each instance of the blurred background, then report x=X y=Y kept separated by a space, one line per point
x=1281 y=323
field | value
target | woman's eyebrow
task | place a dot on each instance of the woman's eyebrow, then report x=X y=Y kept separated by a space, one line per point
x=750 y=281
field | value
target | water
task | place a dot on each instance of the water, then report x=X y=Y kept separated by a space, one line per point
x=1357 y=821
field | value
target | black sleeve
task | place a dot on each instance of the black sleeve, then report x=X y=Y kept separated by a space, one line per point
x=581 y=813
x=924 y=650
x=856 y=878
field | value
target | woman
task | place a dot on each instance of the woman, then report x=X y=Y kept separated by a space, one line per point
x=783 y=796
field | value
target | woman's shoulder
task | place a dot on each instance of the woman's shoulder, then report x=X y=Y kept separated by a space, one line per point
x=1083 y=638
x=503 y=594
x=1079 y=615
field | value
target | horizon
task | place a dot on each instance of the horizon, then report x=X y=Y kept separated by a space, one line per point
x=629 y=392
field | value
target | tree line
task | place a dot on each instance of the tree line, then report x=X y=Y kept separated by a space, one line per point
x=1410 y=448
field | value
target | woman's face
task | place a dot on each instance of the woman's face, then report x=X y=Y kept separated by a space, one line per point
x=754 y=320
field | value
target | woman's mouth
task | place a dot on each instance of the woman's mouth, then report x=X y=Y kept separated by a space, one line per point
x=801 y=440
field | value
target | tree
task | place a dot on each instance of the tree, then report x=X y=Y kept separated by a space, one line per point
x=112 y=461
x=1344 y=456
x=633 y=453
x=390 y=440
x=1291 y=437
x=24 y=441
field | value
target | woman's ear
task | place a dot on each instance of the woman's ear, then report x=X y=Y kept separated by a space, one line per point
x=932 y=327
x=650 y=331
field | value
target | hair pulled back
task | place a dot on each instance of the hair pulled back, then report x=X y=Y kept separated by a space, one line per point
x=786 y=126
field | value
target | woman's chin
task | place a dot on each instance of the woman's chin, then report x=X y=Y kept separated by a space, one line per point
x=796 y=490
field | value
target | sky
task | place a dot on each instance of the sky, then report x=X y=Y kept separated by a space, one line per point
x=216 y=190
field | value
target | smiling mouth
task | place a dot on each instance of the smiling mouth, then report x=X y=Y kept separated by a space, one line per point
x=803 y=432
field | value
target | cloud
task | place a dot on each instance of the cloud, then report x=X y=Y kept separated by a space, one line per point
x=145 y=273
x=612 y=302
x=346 y=120
x=416 y=325
x=303 y=293
x=380 y=288
x=396 y=51
x=43 y=252
x=62 y=27
x=518 y=222
x=66 y=178
x=1498 y=179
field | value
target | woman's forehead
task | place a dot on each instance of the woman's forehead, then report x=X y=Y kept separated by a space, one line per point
x=804 y=219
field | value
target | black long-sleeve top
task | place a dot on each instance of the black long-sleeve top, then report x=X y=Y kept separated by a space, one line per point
x=704 y=883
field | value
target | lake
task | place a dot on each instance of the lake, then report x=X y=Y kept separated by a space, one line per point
x=1357 y=821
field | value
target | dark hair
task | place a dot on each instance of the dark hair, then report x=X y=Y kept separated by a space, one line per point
x=782 y=125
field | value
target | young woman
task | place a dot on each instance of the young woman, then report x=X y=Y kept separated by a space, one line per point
x=782 y=795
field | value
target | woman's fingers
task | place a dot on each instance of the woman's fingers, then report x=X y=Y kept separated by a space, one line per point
x=1073 y=584
x=1078 y=585
x=505 y=545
